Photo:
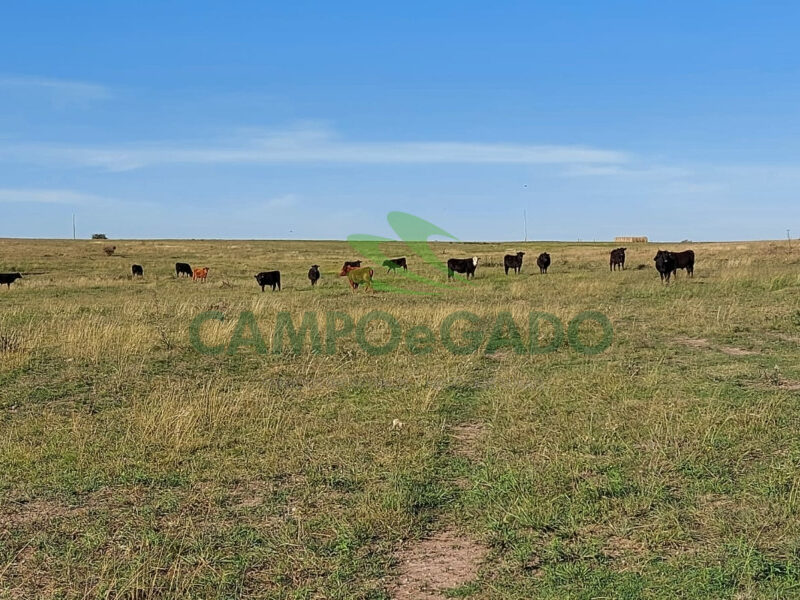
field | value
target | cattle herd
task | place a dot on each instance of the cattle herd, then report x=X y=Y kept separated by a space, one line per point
x=667 y=264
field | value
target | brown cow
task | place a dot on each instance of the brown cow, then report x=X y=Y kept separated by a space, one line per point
x=200 y=274
x=357 y=275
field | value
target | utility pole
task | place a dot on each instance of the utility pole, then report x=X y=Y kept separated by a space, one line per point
x=525 y=222
x=73 y=227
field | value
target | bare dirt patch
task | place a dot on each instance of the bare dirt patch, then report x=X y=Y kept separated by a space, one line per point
x=693 y=342
x=441 y=562
x=619 y=547
x=734 y=351
x=23 y=514
x=788 y=338
x=467 y=440
x=704 y=344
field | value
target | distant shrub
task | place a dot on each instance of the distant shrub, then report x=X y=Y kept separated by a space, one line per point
x=99 y=236
x=109 y=250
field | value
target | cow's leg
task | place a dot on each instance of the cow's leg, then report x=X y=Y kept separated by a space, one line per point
x=506 y=268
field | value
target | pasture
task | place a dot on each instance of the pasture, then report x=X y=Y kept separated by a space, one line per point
x=133 y=466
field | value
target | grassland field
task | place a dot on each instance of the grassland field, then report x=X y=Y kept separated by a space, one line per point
x=133 y=466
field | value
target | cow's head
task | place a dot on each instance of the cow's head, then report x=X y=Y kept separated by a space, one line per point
x=663 y=259
x=520 y=254
x=346 y=269
x=475 y=260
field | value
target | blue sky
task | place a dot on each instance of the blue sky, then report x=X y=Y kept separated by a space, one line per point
x=301 y=120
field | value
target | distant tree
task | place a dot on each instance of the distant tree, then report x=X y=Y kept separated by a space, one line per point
x=109 y=250
x=99 y=236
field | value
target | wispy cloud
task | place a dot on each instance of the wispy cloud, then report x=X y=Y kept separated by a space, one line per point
x=642 y=172
x=48 y=196
x=306 y=145
x=61 y=91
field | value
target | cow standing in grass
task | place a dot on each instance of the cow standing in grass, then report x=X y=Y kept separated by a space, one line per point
x=313 y=274
x=684 y=260
x=183 y=269
x=137 y=270
x=351 y=263
x=269 y=278
x=395 y=263
x=513 y=261
x=543 y=262
x=617 y=259
x=200 y=274
x=9 y=278
x=668 y=263
x=358 y=275
x=665 y=264
x=462 y=265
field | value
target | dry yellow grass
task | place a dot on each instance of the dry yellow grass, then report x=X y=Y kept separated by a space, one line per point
x=134 y=466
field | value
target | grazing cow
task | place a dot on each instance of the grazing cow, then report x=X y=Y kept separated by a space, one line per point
x=357 y=275
x=395 y=263
x=543 y=262
x=269 y=278
x=183 y=269
x=9 y=278
x=313 y=274
x=462 y=265
x=351 y=263
x=513 y=261
x=200 y=274
x=137 y=270
x=617 y=259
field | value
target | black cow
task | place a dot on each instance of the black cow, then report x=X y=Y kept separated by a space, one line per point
x=513 y=261
x=313 y=274
x=351 y=263
x=462 y=265
x=685 y=260
x=665 y=264
x=668 y=263
x=9 y=278
x=269 y=278
x=617 y=259
x=395 y=263
x=183 y=269
x=543 y=261
x=137 y=270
